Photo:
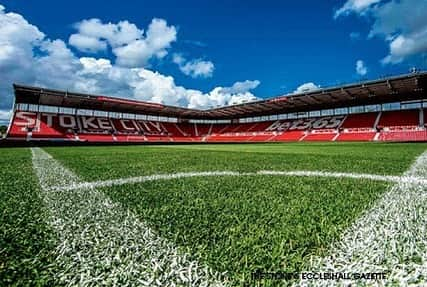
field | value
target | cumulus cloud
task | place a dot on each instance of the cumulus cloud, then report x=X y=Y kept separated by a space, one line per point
x=118 y=34
x=307 y=87
x=361 y=68
x=242 y=87
x=198 y=68
x=239 y=92
x=404 y=46
x=54 y=65
x=17 y=40
x=100 y=76
x=129 y=44
x=194 y=68
x=87 y=44
x=402 y=24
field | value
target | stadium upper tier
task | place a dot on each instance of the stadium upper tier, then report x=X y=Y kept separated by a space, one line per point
x=393 y=89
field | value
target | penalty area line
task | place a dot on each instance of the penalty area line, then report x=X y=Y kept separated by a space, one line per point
x=302 y=173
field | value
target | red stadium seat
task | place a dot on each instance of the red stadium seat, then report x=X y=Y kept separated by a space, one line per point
x=399 y=118
x=356 y=136
x=393 y=126
x=289 y=136
x=320 y=137
x=366 y=120
x=203 y=129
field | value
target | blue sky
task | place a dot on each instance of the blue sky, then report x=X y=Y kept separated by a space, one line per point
x=208 y=53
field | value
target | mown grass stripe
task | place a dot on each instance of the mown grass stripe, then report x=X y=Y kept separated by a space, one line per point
x=391 y=238
x=26 y=239
x=104 y=244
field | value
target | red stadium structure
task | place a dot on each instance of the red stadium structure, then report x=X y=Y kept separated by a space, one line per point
x=389 y=109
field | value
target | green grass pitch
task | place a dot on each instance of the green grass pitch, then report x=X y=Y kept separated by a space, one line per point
x=233 y=224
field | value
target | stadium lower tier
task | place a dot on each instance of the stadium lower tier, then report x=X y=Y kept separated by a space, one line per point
x=405 y=125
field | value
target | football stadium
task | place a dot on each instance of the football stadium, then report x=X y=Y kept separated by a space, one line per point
x=321 y=188
x=213 y=143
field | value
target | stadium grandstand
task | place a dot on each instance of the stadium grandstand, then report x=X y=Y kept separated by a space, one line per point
x=387 y=109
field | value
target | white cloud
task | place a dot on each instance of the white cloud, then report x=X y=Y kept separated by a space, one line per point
x=56 y=66
x=99 y=76
x=198 y=68
x=239 y=92
x=178 y=59
x=17 y=40
x=404 y=46
x=402 y=24
x=361 y=68
x=95 y=66
x=399 y=17
x=307 y=87
x=134 y=54
x=128 y=43
x=118 y=34
x=194 y=68
x=87 y=44
x=357 y=6
x=160 y=35
x=242 y=87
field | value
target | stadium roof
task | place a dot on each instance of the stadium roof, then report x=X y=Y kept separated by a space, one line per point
x=393 y=89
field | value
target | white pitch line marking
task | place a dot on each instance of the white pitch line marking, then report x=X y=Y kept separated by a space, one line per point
x=140 y=179
x=408 y=196
x=154 y=177
x=104 y=244
x=391 y=237
x=375 y=177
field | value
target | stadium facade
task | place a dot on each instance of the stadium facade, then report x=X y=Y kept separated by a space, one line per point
x=388 y=109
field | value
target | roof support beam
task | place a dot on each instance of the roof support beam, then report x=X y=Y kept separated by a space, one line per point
x=391 y=87
x=347 y=93
x=314 y=99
